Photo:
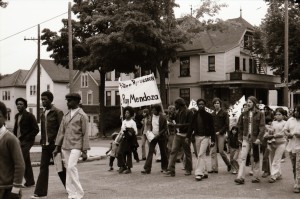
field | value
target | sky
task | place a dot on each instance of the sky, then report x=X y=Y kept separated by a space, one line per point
x=20 y=18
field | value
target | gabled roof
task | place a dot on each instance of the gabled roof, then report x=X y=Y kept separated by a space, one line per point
x=57 y=73
x=14 y=80
x=221 y=40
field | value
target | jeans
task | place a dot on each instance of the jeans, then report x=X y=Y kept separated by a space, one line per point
x=41 y=188
x=234 y=155
x=246 y=146
x=124 y=155
x=178 y=143
x=162 y=148
x=169 y=147
x=275 y=156
x=73 y=185
x=266 y=163
x=202 y=143
x=214 y=159
x=28 y=175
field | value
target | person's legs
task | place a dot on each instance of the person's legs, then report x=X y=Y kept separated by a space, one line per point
x=148 y=163
x=144 y=139
x=28 y=175
x=221 y=143
x=73 y=185
x=201 y=143
x=243 y=156
x=276 y=163
x=214 y=158
x=163 y=153
x=188 y=155
x=41 y=188
x=175 y=148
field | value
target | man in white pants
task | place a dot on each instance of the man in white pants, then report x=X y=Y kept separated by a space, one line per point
x=72 y=139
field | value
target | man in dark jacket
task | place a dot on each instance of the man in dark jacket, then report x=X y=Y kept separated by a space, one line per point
x=203 y=128
x=26 y=128
x=221 y=125
x=183 y=121
x=50 y=120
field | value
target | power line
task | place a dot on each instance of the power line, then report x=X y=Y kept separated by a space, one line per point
x=32 y=27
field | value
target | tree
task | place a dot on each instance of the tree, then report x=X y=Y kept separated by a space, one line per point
x=273 y=30
x=3 y=4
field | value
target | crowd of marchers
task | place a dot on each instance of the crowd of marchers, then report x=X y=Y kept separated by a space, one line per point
x=65 y=136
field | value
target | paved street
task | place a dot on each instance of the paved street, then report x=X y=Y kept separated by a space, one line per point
x=99 y=183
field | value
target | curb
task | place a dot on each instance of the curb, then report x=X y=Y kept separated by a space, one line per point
x=90 y=159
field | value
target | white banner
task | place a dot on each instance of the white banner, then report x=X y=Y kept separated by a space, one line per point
x=138 y=92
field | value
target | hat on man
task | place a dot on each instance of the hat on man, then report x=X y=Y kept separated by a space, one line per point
x=22 y=100
x=73 y=96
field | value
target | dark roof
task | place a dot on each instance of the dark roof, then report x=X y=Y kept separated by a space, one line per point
x=14 y=80
x=57 y=73
x=221 y=39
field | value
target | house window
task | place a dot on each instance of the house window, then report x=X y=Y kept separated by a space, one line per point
x=48 y=87
x=117 y=98
x=90 y=97
x=184 y=66
x=5 y=95
x=237 y=63
x=211 y=63
x=184 y=93
x=108 y=76
x=95 y=119
x=32 y=90
x=250 y=65
x=248 y=40
x=84 y=80
x=108 y=98
x=117 y=75
x=8 y=114
x=244 y=64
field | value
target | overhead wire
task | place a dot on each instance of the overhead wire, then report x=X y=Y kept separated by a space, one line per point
x=32 y=27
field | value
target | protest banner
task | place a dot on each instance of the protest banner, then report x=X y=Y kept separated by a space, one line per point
x=138 y=92
x=193 y=105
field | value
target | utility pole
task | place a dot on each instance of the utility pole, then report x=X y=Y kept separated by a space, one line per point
x=38 y=74
x=286 y=55
x=70 y=37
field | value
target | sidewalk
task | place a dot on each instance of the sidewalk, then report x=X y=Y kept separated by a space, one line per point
x=96 y=153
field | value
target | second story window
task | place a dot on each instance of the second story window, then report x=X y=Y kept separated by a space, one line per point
x=184 y=66
x=5 y=95
x=90 y=97
x=108 y=98
x=108 y=76
x=251 y=66
x=84 y=80
x=117 y=75
x=184 y=93
x=237 y=63
x=32 y=90
x=244 y=64
x=211 y=64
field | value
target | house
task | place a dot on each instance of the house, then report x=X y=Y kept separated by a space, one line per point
x=220 y=63
x=54 y=78
x=87 y=85
x=11 y=88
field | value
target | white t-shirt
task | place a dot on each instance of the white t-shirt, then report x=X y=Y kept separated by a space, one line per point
x=155 y=124
x=129 y=124
x=292 y=126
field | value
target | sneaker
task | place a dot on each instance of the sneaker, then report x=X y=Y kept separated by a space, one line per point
x=296 y=189
x=212 y=171
x=122 y=169
x=169 y=174
x=198 y=178
x=265 y=174
x=250 y=173
x=110 y=169
x=145 y=172
x=37 y=196
x=204 y=176
x=188 y=173
x=127 y=171
x=234 y=172
x=272 y=180
x=256 y=180
x=239 y=181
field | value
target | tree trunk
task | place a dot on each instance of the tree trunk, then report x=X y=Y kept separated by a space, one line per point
x=101 y=103
x=162 y=78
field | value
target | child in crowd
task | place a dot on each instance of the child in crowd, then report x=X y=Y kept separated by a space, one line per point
x=276 y=144
x=112 y=151
x=234 y=145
